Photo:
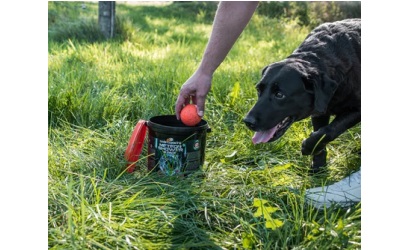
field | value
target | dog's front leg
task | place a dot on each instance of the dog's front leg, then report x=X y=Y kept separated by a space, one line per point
x=319 y=159
x=317 y=141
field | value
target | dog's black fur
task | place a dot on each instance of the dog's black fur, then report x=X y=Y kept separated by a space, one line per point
x=322 y=77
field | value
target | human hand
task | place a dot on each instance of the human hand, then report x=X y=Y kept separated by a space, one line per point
x=194 y=90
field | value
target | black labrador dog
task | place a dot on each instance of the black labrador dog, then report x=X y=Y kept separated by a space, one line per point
x=322 y=77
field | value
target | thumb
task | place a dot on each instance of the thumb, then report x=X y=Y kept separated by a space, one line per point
x=200 y=102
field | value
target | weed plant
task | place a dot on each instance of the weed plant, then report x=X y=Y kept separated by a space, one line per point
x=244 y=197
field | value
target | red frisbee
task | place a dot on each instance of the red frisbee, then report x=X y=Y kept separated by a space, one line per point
x=135 y=145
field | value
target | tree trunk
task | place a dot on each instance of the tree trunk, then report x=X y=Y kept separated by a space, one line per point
x=107 y=18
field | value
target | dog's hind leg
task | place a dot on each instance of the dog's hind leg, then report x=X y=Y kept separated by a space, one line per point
x=319 y=159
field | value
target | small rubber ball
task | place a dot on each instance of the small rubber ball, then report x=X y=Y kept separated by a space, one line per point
x=189 y=115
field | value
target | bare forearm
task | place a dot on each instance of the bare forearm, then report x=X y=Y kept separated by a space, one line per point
x=230 y=20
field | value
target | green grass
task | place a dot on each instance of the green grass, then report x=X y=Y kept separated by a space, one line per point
x=97 y=92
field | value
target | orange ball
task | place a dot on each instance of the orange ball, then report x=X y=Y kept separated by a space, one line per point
x=189 y=115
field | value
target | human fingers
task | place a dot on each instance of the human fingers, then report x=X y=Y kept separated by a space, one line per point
x=179 y=104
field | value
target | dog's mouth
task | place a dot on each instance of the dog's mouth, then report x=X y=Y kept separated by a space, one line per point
x=274 y=133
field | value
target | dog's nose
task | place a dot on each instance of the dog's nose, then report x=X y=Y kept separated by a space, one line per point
x=250 y=122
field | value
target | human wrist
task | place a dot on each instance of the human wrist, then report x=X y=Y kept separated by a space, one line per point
x=206 y=70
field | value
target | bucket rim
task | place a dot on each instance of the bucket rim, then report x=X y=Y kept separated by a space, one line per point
x=153 y=123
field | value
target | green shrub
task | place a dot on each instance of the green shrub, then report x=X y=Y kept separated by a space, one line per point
x=311 y=13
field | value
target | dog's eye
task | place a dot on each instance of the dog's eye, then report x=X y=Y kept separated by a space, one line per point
x=277 y=92
x=279 y=95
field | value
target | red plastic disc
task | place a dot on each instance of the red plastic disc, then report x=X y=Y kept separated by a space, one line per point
x=135 y=145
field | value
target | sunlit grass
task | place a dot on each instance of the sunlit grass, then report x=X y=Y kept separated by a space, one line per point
x=99 y=89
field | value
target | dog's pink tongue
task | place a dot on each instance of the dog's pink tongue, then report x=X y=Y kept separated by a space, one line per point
x=263 y=136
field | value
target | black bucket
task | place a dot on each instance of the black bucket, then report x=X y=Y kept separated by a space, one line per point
x=174 y=148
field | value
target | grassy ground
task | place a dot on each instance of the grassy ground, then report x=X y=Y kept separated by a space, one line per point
x=244 y=197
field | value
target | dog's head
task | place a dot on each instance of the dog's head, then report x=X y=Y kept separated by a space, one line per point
x=289 y=91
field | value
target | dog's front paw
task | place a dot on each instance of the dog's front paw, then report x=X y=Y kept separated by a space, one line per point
x=318 y=162
x=314 y=144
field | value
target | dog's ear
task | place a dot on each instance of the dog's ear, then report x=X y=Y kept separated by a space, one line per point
x=264 y=69
x=323 y=93
x=323 y=88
